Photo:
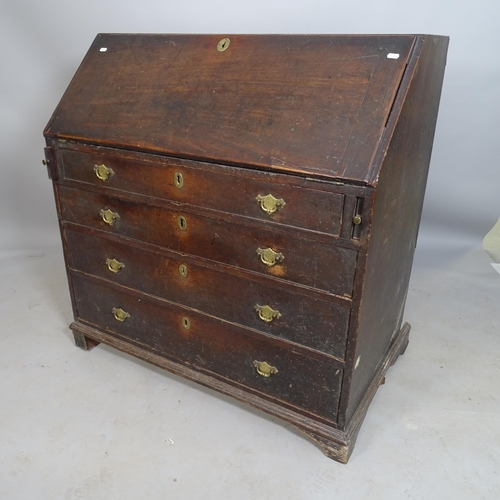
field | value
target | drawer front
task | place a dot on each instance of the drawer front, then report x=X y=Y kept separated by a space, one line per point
x=320 y=266
x=257 y=304
x=213 y=346
x=259 y=195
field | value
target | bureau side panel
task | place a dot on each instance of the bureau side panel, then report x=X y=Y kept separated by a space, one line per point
x=396 y=212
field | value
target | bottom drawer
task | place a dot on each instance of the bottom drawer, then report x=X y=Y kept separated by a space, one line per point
x=211 y=345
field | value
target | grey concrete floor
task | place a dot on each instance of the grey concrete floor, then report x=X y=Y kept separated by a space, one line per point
x=103 y=425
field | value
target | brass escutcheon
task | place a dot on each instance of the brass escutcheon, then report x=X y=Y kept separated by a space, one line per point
x=183 y=270
x=108 y=216
x=178 y=179
x=120 y=314
x=269 y=203
x=223 y=44
x=186 y=323
x=181 y=222
x=114 y=266
x=102 y=172
x=267 y=314
x=264 y=369
x=269 y=257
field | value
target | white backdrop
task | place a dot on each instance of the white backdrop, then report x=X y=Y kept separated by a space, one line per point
x=44 y=42
x=97 y=426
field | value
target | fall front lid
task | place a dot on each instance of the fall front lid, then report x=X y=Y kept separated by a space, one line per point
x=314 y=105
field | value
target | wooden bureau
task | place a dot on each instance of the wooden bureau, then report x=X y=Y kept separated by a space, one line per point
x=243 y=210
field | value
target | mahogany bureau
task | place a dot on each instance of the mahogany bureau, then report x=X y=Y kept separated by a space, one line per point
x=243 y=210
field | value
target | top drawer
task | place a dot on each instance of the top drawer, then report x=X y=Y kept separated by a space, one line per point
x=279 y=198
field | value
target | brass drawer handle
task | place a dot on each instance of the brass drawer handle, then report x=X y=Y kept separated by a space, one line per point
x=102 y=172
x=120 y=314
x=264 y=369
x=269 y=203
x=267 y=314
x=269 y=257
x=114 y=266
x=108 y=216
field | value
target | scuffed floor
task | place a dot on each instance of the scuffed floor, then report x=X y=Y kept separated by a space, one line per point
x=103 y=425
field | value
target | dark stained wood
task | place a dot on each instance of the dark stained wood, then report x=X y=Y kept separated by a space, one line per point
x=319 y=266
x=396 y=214
x=229 y=189
x=307 y=104
x=340 y=127
x=306 y=320
x=51 y=164
x=212 y=346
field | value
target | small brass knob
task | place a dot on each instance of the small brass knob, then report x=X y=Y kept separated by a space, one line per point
x=267 y=314
x=269 y=203
x=264 y=368
x=357 y=220
x=114 y=266
x=269 y=257
x=102 y=172
x=108 y=216
x=120 y=314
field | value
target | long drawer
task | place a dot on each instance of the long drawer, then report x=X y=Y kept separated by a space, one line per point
x=243 y=298
x=324 y=267
x=260 y=195
x=213 y=346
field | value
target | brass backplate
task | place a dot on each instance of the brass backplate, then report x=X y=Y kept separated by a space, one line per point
x=264 y=369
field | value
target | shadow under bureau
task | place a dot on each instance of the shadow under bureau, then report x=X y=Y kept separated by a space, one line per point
x=243 y=210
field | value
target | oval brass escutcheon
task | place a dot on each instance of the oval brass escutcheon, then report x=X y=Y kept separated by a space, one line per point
x=102 y=172
x=223 y=44
x=178 y=180
x=269 y=203
x=114 y=266
x=120 y=314
x=267 y=314
x=183 y=270
x=264 y=369
x=186 y=324
x=108 y=216
x=269 y=257
x=181 y=222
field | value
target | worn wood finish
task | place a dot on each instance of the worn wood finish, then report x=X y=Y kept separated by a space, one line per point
x=339 y=127
x=396 y=214
x=229 y=189
x=307 y=320
x=324 y=267
x=309 y=104
x=308 y=384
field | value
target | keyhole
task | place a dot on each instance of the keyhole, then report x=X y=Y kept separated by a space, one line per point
x=183 y=270
x=178 y=179
x=182 y=223
x=186 y=323
x=223 y=44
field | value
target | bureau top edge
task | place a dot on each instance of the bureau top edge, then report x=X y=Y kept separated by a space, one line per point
x=310 y=105
x=347 y=186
